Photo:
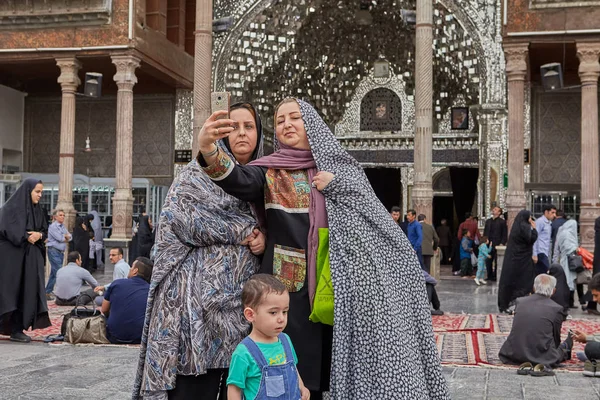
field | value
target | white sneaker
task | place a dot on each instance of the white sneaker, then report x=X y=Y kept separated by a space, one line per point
x=477 y=282
x=483 y=282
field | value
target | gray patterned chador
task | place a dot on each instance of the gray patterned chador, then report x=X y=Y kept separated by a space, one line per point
x=194 y=318
x=383 y=345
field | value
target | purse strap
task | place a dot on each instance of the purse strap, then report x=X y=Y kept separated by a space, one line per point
x=83 y=306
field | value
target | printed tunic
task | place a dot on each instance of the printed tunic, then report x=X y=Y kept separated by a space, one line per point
x=286 y=196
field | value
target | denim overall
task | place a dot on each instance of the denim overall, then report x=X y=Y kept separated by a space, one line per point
x=278 y=382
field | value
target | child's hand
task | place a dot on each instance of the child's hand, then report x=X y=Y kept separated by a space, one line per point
x=304 y=392
x=489 y=256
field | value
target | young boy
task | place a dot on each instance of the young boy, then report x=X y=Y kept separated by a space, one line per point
x=466 y=249
x=266 y=303
x=485 y=249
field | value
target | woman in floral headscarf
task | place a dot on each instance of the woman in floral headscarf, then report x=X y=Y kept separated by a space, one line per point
x=205 y=249
x=383 y=345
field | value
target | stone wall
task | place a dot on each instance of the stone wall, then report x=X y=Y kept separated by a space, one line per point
x=552 y=15
x=153 y=136
x=556 y=137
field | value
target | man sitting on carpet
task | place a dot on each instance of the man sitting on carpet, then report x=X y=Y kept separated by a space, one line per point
x=535 y=333
x=125 y=301
x=592 y=347
x=121 y=271
x=70 y=279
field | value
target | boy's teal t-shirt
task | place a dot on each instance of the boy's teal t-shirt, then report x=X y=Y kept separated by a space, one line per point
x=244 y=371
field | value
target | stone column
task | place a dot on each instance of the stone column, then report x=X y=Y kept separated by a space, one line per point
x=122 y=208
x=69 y=81
x=516 y=71
x=422 y=194
x=589 y=70
x=202 y=67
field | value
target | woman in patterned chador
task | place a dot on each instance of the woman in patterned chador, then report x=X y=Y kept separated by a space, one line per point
x=383 y=345
x=205 y=249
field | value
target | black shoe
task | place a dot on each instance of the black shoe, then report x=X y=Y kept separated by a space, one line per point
x=20 y=337
x=593 y=312
x=437 y=312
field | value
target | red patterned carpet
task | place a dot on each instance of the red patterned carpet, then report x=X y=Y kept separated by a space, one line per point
x=56 y=315
x=476 y=339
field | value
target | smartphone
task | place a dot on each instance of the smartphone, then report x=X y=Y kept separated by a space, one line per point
x=220 y=101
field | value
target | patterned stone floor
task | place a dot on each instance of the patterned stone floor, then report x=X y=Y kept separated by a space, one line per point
x=64 y=372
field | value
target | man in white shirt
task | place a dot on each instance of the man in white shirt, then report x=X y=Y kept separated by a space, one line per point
x=121 y=271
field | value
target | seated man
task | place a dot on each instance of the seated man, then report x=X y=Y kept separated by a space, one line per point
x=121 y=271
x=535 y=333
x=124 y=304
x=430 y=283
x=69 y=281
x=592 y=347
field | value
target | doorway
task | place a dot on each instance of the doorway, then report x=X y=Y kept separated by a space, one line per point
x=386 y=184
x=443 y=208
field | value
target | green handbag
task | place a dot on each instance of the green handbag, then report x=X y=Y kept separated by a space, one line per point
x=323 y=303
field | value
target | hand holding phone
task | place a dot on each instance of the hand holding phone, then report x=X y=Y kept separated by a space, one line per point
x=220 y=101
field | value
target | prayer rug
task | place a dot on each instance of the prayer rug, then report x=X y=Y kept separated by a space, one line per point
x=476 y=322
x=502 y=323
x=489 y=344
x=456 y=348
x=448 y=322
x=461 y=322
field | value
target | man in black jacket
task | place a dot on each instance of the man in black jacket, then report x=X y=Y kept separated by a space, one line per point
x=497 y=232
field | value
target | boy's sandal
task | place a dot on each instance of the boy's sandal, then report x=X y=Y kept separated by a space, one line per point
x=542 y=370
x=525 y=369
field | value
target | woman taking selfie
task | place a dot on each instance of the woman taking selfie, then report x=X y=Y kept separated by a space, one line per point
x=383 y=344
x=205 y=250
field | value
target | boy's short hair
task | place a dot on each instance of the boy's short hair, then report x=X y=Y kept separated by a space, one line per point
x=258 y=287
x=595 y=283
x=465 y=231
x=483 y=239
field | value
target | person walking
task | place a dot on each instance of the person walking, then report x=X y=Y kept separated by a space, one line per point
x=567 y=244
x=23 y=230
x=415 y=235
x=518 y=272
x=58 y=237
x=497 y=232
x=445 y=241
x=541 y=247
x=429 y=244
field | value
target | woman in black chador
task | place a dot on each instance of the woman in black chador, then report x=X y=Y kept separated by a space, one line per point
x=145 y=237
x=81 y=242
x=23 y=230
x=517 y=271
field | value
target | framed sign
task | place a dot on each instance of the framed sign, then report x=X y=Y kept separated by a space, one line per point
x=183 y=156
x=381 y=69
x=459 y=118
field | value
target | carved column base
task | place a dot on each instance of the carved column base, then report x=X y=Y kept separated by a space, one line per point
x=122 y=214
x=587 y=218
x=422 y=199
x=515 y=202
